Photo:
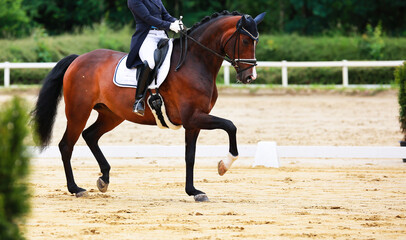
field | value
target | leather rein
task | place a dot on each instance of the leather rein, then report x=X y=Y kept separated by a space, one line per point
x=233 y=61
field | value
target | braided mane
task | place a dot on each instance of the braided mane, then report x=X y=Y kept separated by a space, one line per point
x=213 y=16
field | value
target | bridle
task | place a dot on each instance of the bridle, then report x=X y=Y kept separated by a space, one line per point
x=233 y=61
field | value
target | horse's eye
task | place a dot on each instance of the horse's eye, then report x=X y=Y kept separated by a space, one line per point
x=245 y=42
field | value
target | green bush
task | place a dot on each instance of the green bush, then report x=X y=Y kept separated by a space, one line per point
x=325 y=48
x=53 y=48
x=400 y=76
x=14 y=164
x=43 y=48
x=110 y=39
x=372 y=43
x=372 y=46
x=40 y=47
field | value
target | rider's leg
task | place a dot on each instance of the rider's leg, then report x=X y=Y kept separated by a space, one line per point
x=147 y=49
x=144 y=80
x=146 y=54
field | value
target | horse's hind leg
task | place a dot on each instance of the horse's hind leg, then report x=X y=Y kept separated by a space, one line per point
x=76 y=124
x=105 y=122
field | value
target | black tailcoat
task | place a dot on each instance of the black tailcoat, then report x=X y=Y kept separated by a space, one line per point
x=147 y=13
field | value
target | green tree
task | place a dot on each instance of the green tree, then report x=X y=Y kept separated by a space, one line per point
x=58 y=16
x=308 y=17
x=117 y=14
x=194 y=11
x=317 y=16
x=13 y=19
x=400 y=78
x=275 y=11
x=14 y=162
x=174 y=7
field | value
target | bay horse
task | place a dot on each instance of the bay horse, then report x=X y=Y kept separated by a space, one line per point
x=189 y=93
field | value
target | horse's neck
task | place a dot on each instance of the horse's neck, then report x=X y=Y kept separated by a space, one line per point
x=211 y=36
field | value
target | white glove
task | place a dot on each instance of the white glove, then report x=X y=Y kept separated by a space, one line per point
x=175 y=26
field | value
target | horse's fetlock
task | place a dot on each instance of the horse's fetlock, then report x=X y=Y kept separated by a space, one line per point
x=75 y=189
x=192 y=191
x=105 y=179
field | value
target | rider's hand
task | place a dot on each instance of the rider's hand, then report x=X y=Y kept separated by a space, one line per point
x=175 y=26
x=182 y=26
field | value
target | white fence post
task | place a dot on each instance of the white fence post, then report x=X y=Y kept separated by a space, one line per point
x=226 y=74
x=6 y=74
x=284 y=74
x=345 y=73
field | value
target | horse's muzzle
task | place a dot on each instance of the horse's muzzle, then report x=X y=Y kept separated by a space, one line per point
x=247 y=74
x=246 y=77
x=251 y=78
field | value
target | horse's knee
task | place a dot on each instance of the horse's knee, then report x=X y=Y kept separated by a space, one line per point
x=91 y=136
x=86 y=134
x=230 y=127
x=63 y=147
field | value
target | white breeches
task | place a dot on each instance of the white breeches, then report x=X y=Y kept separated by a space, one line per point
x=149 y=45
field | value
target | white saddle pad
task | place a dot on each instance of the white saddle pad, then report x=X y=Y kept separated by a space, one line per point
x=124 y=77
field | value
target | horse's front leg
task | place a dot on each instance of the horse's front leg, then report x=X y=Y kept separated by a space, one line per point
x=190 y=139
x=209 y=122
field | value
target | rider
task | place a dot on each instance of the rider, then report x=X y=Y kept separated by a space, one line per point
x=152 y=22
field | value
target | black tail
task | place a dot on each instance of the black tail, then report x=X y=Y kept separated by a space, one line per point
x=45 y=110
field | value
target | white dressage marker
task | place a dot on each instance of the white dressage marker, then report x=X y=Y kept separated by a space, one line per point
x=266 y=155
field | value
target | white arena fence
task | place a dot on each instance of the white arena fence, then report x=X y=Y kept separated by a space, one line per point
x=264 y=153
x=7 y=66
x=284 y=65
x=344 y=64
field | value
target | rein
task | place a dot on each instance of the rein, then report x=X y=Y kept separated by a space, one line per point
x=233 y=61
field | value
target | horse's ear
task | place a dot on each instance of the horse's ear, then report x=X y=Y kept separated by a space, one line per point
x=243 y=20
x=258 y=19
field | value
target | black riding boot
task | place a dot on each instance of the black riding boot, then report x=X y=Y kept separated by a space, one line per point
x=144 y=80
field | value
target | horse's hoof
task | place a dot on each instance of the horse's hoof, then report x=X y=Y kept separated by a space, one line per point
x=101 y=185
x=201 y=198
x=221 y=168
x=82 y=194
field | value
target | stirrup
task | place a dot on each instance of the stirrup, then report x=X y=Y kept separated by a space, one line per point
x=139 y=107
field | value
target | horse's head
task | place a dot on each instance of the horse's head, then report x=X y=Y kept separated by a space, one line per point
x=240 y=47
